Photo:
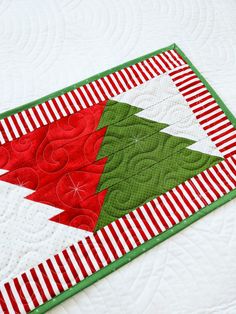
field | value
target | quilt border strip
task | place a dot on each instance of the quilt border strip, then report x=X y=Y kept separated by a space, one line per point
x=74 y=264
x=212 y=201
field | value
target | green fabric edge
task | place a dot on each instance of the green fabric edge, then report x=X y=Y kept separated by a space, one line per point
x=163 y=236
x=125 y=259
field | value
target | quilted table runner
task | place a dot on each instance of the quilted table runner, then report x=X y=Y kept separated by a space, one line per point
x=96 y=174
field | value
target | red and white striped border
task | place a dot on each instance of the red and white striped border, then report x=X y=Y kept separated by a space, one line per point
x=62 y=271
x=87 y=95
x=208 y=113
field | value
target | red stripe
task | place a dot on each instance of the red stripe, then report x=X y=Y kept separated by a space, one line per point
x=102 y=248
x=174 y=57
x=30 y=120
x=139 y=227
x=172 y=207
x=222 y=166
x=216 y=181
x=130 y=76
x=200 y=101
x=89 y=95
x=95 y=91
x=198 y=192
x=119 y=82
x=136 y=74
x=21 y=295
x=177 y=71
x=78 y=260
x=203 y=187
x=30 y=290
x=117 y=240
x=179 y=204
x=147 y=69
x=211 y=117
x=131 y=230
x=86 y=256
x=71 y=266
x=123 y=234
x=161 y=57
x=149 y=229
x=152 y=66
x=16 y=125
x=163 y=221
x=94 y=252
x=110 y=79
x=197 y=96
x=107 y=87
x=3 y=304
x=191 y=195
x=55 y=276
x=150 y=215
x=229 y=138
x=209 y=126
x=192 y=76
x=158 y=64
x=109 y=243
x=166 y=211
x=141 y=70
x=63 y=270
x=101 y=89
x=169 y=59
x=9 y=128
x=46 y=280
x=38 y=284
x=11 y=297
x=215 y=138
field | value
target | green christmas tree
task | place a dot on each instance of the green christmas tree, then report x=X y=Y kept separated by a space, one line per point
x=142 y=160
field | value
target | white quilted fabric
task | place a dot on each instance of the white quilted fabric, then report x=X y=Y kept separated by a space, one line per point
x=46 y=45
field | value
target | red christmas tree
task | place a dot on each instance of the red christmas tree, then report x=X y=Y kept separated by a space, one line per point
x=57 y=161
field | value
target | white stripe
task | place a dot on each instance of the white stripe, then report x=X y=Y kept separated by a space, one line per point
x=54 y=109
x=127 y=78
x=16 y=296
x=230 y=150
x=25 y=292
x=180 y=76
x=177 y=208
x=141 y=240
x=171 y=58
x=179 y=196
x=122 y=81
x=148 y=219
x=90 y=102
x=110 y=85
x=104 y=88
x=90 y=255
x=98 y=251
x=60 y=106
x=6 y=130
x=212 y=182
x=177 y=57
x=27 y=121
x=42 y=282
x=34 y=287
x=205 y=184
x=2 y=138
x=193 y=80
x=92 y=93
x=8 y=302
x=116 y=83
x=161 y=63
x=206 y=108
x=215 y=174
x=75 y=264
x=120 y=236
x=188 y=198
x=68 y=106
x=155 y=66
x=197 y=97
x=80 y=98
x=169 y=209
x=133 y=75
x=41 y=115
x=111 y=238
x=222 y=138
x=106 y=246
x=23 y=130
x=145 y=71
x=226 y=129
x=67 y=268
x=149 y=68
x=58 y=272
x=31 y=112
x=162 y=213
x=155 y=216
x=13 y=127
x=198 y=199
x=209 y=115
x=50 y=277
x=232 y=141
x=139 y=73
x=48 y=114
x=143 y=227
x=127 y=232
x=213 y=121
x=233 y=165
x=98 y=90
x=202 y=194
x=225 y=176
x=83 y=260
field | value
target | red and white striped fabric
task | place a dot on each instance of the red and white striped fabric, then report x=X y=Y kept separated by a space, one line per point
x=87 y=95
x=62 y=271
x=208 y=113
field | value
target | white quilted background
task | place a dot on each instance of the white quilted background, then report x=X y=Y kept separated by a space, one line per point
x=47 y=45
